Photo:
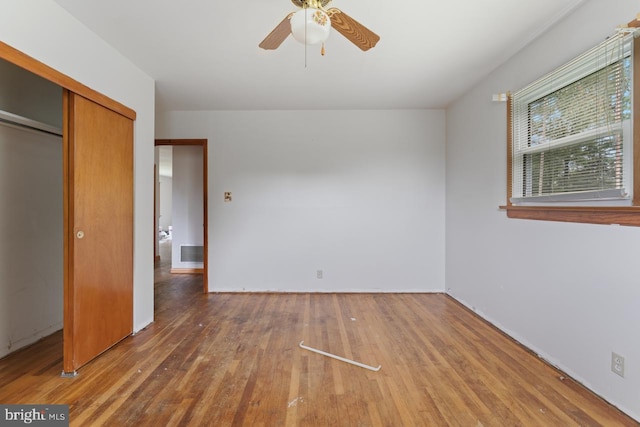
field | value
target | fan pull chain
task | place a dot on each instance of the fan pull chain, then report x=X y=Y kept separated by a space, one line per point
x=322 y=50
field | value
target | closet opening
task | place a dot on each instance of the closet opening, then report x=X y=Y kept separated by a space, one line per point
x=31 y=216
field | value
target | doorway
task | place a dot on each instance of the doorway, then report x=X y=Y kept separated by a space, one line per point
x=183 y=249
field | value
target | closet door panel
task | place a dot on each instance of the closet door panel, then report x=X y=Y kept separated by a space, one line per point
x=99 y=233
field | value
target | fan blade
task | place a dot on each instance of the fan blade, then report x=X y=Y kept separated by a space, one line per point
x=354 y=31
x=278 y=35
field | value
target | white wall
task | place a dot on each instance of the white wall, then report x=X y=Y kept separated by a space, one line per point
x=46 y=32
x=31 y=267
x=166 y=201
x=158 y=200
x=357 y=194
x=187 y=203
x=28 y=95
x=568 y=291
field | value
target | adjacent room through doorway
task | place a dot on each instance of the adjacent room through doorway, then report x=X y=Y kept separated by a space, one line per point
x=181 y=206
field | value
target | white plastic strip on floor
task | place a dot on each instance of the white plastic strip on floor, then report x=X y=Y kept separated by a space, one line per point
x=353 y=362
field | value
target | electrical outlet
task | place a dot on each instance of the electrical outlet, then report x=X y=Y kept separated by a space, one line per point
x=617 y=364
x=319 y=274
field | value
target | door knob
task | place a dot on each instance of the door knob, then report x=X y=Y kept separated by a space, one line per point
x=80 y=234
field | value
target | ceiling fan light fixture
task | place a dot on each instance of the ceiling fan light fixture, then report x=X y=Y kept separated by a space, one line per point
x=310 y=26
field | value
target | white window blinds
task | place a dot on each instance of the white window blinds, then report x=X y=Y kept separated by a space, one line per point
x=572 y=129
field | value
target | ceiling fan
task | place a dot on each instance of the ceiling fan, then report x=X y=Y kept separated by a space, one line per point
x=312 y=23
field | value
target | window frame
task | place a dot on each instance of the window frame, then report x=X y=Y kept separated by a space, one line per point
x=619 y=215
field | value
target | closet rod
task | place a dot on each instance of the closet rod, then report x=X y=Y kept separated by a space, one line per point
x=14 y=119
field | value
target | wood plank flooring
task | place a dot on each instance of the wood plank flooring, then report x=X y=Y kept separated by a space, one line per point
x=234 y=360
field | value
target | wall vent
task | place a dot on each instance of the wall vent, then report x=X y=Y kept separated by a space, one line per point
x=191 y=253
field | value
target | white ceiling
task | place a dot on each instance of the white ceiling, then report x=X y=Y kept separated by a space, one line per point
x=204 y=54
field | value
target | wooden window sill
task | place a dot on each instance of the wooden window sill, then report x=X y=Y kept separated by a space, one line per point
x=619 y=215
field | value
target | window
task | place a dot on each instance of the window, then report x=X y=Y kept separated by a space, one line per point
x=571 y=141
x=572 y=130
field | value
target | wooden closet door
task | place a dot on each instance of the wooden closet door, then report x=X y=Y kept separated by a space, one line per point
x=98 y=230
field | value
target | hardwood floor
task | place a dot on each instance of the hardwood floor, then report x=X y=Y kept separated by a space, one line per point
x=234 y=359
